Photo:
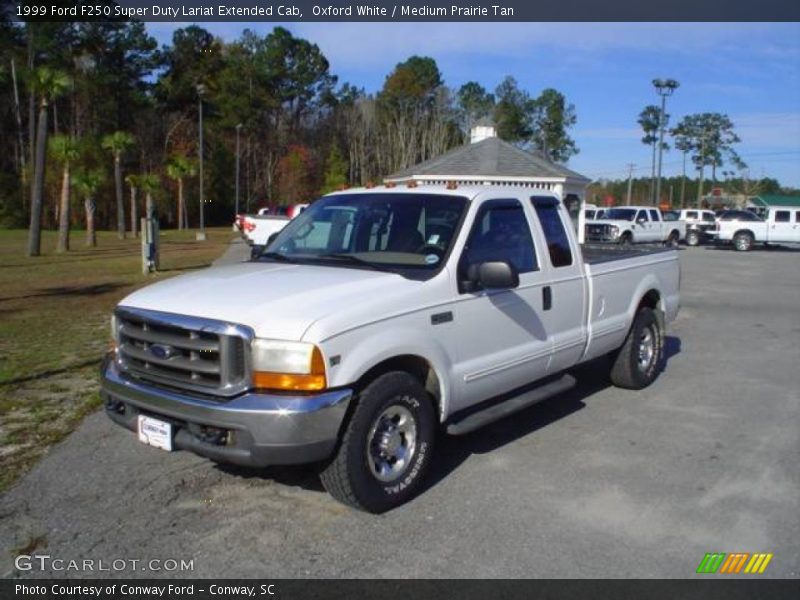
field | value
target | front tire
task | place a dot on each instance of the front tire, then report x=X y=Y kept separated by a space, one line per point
x=638 y=362
x=743 y=241
x=692 y=238
x=626 y=240
x=672 y=239
x=386 y=447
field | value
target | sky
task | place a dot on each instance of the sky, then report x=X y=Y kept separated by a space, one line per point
x=749 y=71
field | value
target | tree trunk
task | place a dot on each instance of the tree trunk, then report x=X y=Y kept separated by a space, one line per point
x=35 y=230
x=91 y=237
x=653 y=176
x=184 y=212
x=31 y=107
x=120 y=201
x=63 y=217
x=149 y=206
x=180 y=203
x=134 y=213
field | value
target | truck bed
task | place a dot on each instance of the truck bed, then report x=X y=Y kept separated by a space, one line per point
x=594 y=254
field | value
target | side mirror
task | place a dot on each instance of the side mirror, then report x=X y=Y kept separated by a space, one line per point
x=497 y=275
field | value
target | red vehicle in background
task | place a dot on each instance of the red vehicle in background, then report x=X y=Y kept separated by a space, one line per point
x=291 y=211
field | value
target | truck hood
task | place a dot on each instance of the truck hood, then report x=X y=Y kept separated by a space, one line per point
x=276 y=300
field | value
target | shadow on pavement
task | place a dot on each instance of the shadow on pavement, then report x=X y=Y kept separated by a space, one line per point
x=452 y=451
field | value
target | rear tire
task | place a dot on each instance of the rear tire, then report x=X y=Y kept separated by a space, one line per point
x=743 y=241
x=386 y=447
x=638 y=362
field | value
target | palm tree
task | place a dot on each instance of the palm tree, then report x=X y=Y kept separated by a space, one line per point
x=178 y=168
x=47 y=84
x=133 y=182
x=87 y=183
x=64 y=151
x=149 y=182
x=117 y=143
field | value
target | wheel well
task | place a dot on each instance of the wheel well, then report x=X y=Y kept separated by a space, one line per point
x=415 y=366
x=651 y=299
x=747 y=231
x=675 y=232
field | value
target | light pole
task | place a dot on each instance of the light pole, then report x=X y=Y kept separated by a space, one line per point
x=238 y=128
x=664 y=88
x=201 y=90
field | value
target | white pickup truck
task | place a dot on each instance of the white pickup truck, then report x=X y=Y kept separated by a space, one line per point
x=375 y=318
x=744 y=228
x=258 y=229
x=633 y=225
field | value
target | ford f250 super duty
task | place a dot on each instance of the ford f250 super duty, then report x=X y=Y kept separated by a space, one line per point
x=633 y=225
x=376 y=318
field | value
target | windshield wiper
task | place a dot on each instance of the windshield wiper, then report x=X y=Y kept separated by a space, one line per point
x=354 y=260
x=275 y=256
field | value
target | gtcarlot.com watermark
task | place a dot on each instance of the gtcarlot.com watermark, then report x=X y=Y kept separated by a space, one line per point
x=46 y=562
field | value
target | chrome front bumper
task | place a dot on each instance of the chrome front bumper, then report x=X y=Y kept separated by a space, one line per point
x=252 y=429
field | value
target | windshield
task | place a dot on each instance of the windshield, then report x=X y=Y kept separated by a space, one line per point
x=620 y=214
x=392 y=231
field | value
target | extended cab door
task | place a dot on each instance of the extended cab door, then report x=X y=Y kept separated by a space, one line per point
x=781 y=227
x=502 y=342
x=564 y=312
x=658 y=228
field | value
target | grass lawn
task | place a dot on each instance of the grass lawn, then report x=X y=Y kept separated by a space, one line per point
x=54 y=328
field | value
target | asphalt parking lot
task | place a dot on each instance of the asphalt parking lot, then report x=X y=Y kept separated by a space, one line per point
x=600 y=482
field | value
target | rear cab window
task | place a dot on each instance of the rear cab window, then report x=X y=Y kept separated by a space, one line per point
x=554 y=232
x=782 y=216
x=654 y=216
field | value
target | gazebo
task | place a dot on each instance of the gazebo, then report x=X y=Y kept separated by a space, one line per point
x=488 y=160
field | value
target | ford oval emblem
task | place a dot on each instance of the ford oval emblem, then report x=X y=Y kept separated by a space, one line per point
x=162 y=351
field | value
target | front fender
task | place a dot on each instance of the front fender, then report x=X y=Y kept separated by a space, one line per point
x=361 y=350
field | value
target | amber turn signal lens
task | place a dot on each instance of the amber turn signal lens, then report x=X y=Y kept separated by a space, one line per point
x=297 y=382
x=288 y=381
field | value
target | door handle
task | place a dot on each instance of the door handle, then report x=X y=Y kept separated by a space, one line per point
x=547 y=298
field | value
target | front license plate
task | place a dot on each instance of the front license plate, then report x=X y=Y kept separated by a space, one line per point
x=155 y=433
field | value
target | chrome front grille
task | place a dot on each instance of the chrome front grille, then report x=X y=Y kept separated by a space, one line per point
x=190 y=353
x=596 y=232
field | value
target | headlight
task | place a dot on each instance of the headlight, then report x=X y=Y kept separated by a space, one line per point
x=614 y=230
x=279 y=365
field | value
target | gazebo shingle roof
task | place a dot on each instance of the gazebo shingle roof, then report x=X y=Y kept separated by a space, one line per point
x=490 y=157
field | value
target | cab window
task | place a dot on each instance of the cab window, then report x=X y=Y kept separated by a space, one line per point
x=500 y=233
x=782 y=216
x=654 y=215
x=642 y=215
x=554 y=233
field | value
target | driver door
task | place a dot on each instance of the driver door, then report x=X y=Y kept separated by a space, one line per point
x=502 y=342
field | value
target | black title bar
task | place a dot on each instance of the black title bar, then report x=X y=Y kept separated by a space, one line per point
x=708 y=588
x=407 y=11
